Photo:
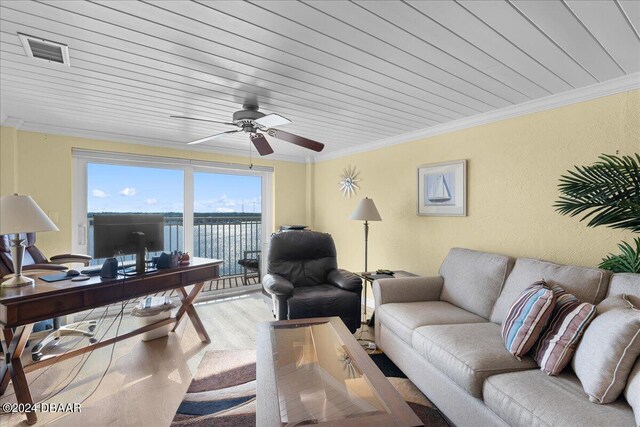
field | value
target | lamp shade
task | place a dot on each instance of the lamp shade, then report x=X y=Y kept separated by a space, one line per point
x=366 y=211
x=20 y=214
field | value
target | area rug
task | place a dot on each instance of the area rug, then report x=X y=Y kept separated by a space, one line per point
x=223 y=392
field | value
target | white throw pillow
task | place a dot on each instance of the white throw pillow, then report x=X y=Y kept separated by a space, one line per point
x=632 y=391
x=608 y=350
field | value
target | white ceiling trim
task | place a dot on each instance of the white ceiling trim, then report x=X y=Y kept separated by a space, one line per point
x=115 y=137
x=12 y=122
x=598 y=90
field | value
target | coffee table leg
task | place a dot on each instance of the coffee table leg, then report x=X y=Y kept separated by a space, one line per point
x=188 y=308
x=18 y=341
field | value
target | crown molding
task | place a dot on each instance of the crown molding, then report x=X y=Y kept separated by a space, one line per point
x=598 y=90
x=153 y=142
x=12 y=122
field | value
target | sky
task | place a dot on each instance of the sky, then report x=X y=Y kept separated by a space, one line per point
x=116 y=188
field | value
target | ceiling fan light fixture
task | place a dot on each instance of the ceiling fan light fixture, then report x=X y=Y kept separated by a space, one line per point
x=272 y=120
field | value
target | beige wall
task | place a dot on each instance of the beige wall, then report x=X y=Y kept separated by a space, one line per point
x=8 y=159
x=43 y=169
x=513 y=171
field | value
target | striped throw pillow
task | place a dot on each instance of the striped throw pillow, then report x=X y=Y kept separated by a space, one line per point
x=568 y=322
x=527 y=318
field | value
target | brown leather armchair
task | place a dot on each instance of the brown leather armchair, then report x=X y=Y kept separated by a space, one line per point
x=35 y=262
x=304 y=280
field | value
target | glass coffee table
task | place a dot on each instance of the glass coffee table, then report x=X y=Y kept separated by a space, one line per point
x=313 y=371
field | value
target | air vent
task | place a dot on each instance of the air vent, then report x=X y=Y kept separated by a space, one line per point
x=47 y=50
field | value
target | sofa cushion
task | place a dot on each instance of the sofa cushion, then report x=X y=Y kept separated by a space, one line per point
x=587 y=284
x=626 y=284
x=467 y=353
x=527 y=318
x=558 y=343
x=473 y=280
x=532 y=398
x=608 y=351
x=632 y=390
x=403 y=318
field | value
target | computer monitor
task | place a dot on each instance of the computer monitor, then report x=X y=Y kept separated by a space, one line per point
x=127 y=234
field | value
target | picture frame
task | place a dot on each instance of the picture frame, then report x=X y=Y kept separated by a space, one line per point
x=442 y=189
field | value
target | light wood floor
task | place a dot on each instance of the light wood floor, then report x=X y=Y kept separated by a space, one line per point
x=147 y=380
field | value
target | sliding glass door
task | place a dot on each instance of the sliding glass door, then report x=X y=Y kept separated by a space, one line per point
x=227 y=218
x=210 y=210
x=120 y=189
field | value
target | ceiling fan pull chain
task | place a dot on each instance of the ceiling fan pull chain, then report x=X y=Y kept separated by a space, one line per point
x=250 y=158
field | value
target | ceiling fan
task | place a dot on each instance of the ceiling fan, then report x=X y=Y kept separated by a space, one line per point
x=252 y=121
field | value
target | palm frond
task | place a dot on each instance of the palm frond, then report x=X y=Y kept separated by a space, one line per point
x=605 y=193
x=628 y=261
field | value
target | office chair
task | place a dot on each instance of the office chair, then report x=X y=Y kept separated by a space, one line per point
x=35 y=262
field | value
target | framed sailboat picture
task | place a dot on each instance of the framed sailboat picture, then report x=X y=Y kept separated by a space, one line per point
x=442 y=189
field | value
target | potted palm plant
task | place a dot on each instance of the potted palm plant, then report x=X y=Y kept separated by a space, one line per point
x=606 y=193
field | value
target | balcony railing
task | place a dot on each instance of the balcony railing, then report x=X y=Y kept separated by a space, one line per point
x=220 y=236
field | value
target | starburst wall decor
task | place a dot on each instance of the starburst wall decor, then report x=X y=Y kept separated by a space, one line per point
x=348 y=180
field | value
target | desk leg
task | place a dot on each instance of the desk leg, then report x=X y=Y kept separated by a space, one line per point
x=5 y=375
x=14 y=366
x=188 y=308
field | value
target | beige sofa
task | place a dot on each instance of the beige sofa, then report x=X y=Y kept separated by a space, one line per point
x=444 y=333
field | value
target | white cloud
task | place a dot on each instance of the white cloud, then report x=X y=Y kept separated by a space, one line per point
x=101 y=194
x=128 y=191
x=151 y=201
x=225 y=204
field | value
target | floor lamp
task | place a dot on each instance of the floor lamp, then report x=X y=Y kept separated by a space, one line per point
x=20 y=214
x=366 y=211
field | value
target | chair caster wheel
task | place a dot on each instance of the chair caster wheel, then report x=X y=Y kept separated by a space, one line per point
x=92 y=328
x=93 y=340
x=36 y=356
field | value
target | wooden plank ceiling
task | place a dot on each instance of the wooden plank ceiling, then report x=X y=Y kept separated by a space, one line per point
x=346 y=73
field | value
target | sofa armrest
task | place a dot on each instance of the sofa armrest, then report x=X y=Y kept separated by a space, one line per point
x=345 y=279
x=277 y=285
x=67 y=258
x=407 y=289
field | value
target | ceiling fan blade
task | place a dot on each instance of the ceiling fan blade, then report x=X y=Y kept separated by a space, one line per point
x=261 y=144
x=295 y=139
x=272 y=120
x=202 y=120
x=208 y=138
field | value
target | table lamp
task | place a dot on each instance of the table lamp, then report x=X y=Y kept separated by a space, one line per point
x=20 y=214
x=366 y=211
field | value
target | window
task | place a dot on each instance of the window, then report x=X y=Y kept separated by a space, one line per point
x=113 y=188
x=227 y=218
x=211 y=210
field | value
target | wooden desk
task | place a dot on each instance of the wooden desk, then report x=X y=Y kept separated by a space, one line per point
x=21 y=307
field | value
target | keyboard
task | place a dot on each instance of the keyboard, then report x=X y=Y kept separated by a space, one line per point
x=94 y=270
